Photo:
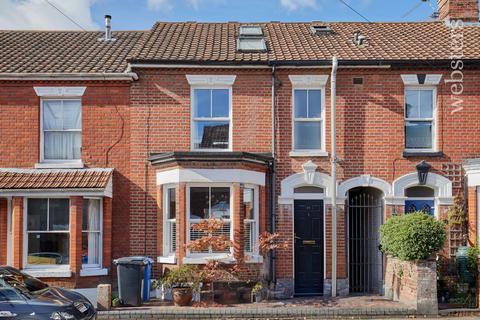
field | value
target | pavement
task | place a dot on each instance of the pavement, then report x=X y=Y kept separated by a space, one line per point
x=352 y=307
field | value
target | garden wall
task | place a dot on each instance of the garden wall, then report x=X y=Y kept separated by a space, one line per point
x=413 y=284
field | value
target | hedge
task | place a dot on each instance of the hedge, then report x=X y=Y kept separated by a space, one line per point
x=412 y=237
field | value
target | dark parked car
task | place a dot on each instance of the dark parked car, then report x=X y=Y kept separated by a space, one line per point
x=25 y=297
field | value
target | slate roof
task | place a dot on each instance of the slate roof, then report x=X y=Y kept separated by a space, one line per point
x=97 y=178
x=217 y=42
x=66 y=51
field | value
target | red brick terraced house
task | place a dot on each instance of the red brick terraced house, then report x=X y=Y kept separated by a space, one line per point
x=118 y=147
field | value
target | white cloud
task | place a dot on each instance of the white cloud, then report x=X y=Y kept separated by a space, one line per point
x=298 y=4
x=159 y=5
x=39 y=15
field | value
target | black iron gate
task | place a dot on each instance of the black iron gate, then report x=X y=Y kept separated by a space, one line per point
x=365 y=215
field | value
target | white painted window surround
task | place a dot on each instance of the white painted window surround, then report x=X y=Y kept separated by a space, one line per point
x=214 y=86
x=57 y=94
x=394 y=193
x=176 y=176
x=414 y=122
x=309 y=86
x=169 y=233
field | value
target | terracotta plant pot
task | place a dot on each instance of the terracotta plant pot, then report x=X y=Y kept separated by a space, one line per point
x=182 y=296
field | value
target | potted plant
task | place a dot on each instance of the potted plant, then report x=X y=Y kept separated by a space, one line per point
x=183 y=281
x=257 y=292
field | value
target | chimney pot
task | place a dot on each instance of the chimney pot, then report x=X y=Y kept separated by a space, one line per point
x=108 y=27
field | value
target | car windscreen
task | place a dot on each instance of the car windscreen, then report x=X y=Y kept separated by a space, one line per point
x=7 y=293
x=22 y=281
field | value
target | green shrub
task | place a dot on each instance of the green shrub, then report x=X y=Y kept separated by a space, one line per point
x=412 y=237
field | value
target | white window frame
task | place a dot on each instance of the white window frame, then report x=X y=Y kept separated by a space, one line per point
x=100 y=257
x=209 y=82
x=433 y=119
x=209 y=255
x=62 y=270
x=256 y=217
x=195 y=120
x=167 y=237
x=60 y=163
x=309 y=82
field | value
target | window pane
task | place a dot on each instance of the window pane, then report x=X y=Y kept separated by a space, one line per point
x=300 y=103
x=48 y=248
x=211 y=135
x=59 y=214
x=220 y=203
x=91 y=248
x=52 y=115
x=425 y=206
x=72 y=114
x=308 y=189
x=248 y=202
x=173 y=236
x=91 y=215
x=420 y=192
x=202 y=103
x=225 y=230
x=220 y=103
x=307 y=135
x=426 y=103
x=37 y=214
x=411 y=104
x=62 y=145
x=418 y=135
x=171 y=203
x=314 y=104
x=199 y=203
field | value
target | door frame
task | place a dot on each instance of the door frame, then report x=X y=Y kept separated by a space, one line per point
x=309 y=196
x=347 y=233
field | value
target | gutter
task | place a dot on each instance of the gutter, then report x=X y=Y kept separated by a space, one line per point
x=125 y=76
x=333 y=106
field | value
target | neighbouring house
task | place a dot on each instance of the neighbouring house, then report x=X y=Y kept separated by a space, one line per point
x=117 y=146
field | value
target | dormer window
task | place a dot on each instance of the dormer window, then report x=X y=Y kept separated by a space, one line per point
x=251 y=39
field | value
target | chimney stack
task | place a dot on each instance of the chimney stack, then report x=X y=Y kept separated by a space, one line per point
x=465 y=10
x=108 y=27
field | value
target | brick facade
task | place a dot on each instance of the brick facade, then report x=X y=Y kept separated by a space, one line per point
x=123 y=123
x=105 y=144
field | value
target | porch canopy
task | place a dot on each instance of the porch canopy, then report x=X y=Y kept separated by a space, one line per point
x=85 y=182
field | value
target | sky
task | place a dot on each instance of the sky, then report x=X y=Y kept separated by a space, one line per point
x=141 y=14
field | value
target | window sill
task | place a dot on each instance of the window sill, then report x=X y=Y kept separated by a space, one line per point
x=408 y=154
x=205 y=259
x=59 y=165
x=253 y=258
x=167 y=260
x=48 y=273
x=90 y=272
x=313 y=153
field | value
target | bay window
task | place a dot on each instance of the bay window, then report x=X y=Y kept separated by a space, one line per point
x=169 y=224
x=307 y=120
x=209 y=203
x=211 y=119
x=250 y=202
x=47 y=232
x=91 y=233
x=420 y=119
x=61 y=130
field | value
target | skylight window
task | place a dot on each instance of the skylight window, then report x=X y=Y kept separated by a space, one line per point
x=251 y=39
x=251 y=31
x=320 y=29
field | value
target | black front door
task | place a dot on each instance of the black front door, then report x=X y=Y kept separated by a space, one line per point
x=308 y=247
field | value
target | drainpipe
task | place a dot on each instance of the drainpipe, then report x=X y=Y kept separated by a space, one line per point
x=272 y=183
x=333 y=96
